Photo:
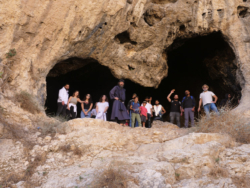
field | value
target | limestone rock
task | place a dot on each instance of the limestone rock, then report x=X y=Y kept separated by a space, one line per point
x=93 y=146
x=47 y=33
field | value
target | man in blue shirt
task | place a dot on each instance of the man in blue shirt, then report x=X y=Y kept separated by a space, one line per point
x=135 y=108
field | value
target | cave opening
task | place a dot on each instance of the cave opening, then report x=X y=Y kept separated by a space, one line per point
x=192 y=62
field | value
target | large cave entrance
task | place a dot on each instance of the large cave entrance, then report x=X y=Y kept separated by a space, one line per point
x=192 y=63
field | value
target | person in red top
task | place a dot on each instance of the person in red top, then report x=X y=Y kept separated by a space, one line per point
x=143 y=113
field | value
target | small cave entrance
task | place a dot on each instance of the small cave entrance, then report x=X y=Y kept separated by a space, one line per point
x=192 y=62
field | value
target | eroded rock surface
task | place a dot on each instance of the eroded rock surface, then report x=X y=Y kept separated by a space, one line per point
x=118 y=34
x=164 y=156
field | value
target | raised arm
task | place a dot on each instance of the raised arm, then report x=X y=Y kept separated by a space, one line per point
x=168 y=97
x=200 y=102
x=79 y=100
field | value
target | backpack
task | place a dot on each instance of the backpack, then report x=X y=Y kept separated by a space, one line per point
x=185 y=98
x=134 y=103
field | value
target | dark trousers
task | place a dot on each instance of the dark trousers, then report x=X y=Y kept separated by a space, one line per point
x=61 y=109
x=175 y=115
x=71 y=113
x=148 y=122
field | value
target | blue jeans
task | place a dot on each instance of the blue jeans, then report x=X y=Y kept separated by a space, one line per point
x=211 y=106
x=86 y=116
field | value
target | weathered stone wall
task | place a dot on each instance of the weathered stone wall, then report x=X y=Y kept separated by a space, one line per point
x=116 y=33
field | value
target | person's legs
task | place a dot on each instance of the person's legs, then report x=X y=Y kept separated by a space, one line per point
x=130 y=120
x=73 y=114
x=214 y=108
x=207 y=109
x=171 y=117
x=64 y=109
x=133 y=119
x=138 y=118
x=149 y=120
x=59 y=108
x=191 y=115
x=186 y=117
x=82 y=114
x=178 y=119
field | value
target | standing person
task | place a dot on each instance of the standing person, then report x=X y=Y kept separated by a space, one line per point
x=226 y=101
x=143 y=113
x=159 y=110
x=62 y=101
x=135 y=108
x=149 y=112
x=128 y=108
x=119 y=111
x=86 y=107
x=102 y=108
x=188 y=107
x=175 y=110
x=206 y=98
x=72 y=105
x=150 y=100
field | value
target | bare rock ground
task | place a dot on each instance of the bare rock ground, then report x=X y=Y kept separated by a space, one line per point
x=163 y=156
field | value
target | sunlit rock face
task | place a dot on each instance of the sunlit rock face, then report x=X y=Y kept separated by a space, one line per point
x=130 y=37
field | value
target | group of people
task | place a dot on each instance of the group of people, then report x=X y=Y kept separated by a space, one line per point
x=135 y=114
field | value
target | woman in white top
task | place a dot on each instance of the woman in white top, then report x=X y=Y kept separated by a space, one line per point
x=159 y=110
x=102 y=108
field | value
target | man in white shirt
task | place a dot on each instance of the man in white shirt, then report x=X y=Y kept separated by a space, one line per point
x=149 y=112
x=206 y=98
x=62 y=101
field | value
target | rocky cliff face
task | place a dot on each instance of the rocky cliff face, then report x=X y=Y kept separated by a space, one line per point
x=118 y=34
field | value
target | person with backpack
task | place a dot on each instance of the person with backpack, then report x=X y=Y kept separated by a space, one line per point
x=188 y=107
x=129 y=111
x=175 y=110
x=135 y=108
x=206 y=98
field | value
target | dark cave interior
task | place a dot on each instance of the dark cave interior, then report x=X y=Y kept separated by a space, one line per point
x=192 y=62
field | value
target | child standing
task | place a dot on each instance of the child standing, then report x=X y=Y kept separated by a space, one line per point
x=143 y=113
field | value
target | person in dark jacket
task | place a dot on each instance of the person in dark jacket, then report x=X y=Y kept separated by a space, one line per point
x=119 y=110
x=188 y=107
x=226 y=101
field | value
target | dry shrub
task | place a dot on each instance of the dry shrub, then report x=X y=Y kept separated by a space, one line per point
x=48 y=125
x=228 y=122
x=77 y=151
x=218 y=172
x=241 y=181
x=65 y=148
x=113 y=177
x=28 y=102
